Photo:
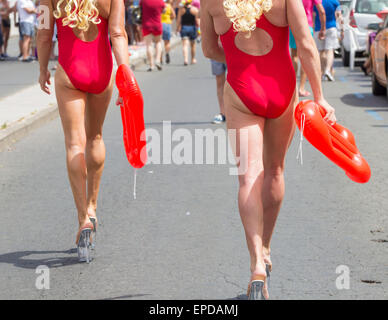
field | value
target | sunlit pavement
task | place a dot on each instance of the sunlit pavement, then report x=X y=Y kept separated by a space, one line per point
x=182 y=237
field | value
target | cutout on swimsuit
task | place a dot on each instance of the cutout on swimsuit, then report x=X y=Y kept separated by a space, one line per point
x=260 y=43
x=88 y=36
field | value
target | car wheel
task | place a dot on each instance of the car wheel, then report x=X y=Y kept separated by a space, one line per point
x=345 y=57
x=377 y=88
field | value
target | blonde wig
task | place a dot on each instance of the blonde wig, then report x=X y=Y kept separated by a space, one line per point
x=244 y=13
x=78 y=13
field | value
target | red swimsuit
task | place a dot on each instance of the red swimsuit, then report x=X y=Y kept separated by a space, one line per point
x=265 y=84
x=87 y=64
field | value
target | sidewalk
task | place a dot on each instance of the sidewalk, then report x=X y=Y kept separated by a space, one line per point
x=23 y=106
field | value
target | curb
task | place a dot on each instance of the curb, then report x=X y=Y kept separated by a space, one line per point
x=18 y=130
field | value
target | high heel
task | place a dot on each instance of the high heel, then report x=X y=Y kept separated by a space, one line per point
x=255 y=289
x=268 y=272
x=84 y=244
x=93 y=220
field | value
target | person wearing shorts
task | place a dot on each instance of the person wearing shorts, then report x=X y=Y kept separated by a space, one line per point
x=27 y=12
x=327 y=45
x=168 y=17
x=152 y=30
x=219 y=71
x=309 y=8
x=187 y=26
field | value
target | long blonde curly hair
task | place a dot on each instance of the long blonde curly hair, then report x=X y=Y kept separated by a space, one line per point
x=78 y=13
x=244 y=13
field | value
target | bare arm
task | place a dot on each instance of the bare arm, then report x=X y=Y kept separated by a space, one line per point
x=322 y=19
x=197 y=20
x=44 y=42
x=117 y=32
x=210 y=46
x=308 y=53
x=173 y=15
x=179 y=20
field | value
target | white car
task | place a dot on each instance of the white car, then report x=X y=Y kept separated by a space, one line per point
x=360 y=14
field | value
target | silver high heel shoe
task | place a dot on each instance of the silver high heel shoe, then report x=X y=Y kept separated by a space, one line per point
x=268 y=275
x=84 y=246
x=255 y=290
x=93 y=220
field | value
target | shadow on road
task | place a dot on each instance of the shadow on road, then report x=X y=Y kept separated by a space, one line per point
x=20 y=259
x=368 y=101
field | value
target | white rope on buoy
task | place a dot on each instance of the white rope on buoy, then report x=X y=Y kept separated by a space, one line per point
x=134 y=183
x=300 y=152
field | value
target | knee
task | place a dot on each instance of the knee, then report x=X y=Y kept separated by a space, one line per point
x=274 y=171
x=94 y=138
x=75 y=146
x=249 y=179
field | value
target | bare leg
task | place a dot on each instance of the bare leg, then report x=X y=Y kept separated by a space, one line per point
x=303 y=77
x=278 y=134
x=96 y=108
x=6 y=38
x=150 y=57
x=220 y=80
x=329 y=60
x=167 y=46
x=323 y=56
x=294 y=57
x=159 y=48
x=239 y=118
x=193 y=50
x=71 y=105
x=26 y=46
x=185 y=49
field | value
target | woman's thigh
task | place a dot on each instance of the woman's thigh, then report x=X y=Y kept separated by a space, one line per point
x=246 y=132
x=278 y=134
x=71 y=105
x=96 y=108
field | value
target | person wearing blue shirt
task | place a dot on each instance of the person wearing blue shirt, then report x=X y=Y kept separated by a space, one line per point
x=327 y=45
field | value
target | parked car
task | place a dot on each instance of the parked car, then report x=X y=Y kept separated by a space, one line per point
x=361 y=14
x=379 y=60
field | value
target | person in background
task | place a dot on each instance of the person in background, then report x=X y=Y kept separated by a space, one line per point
x=197 y=4
x=187 y=25
x=308 y=7
x=2 y=58
x=153 y=30
x=128 y=21
x=5 y=11
x=219 y=71
x=136 y=27
x=168 y=16
x=27 y=13
x=327 y=45
x=176 y=4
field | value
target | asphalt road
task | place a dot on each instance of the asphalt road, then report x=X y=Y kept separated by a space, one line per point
x=182 y=237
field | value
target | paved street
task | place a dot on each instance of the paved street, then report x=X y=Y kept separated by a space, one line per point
x=182 y=237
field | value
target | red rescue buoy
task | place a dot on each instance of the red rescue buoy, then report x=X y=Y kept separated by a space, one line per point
x=132 y=117
x=334 y=141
